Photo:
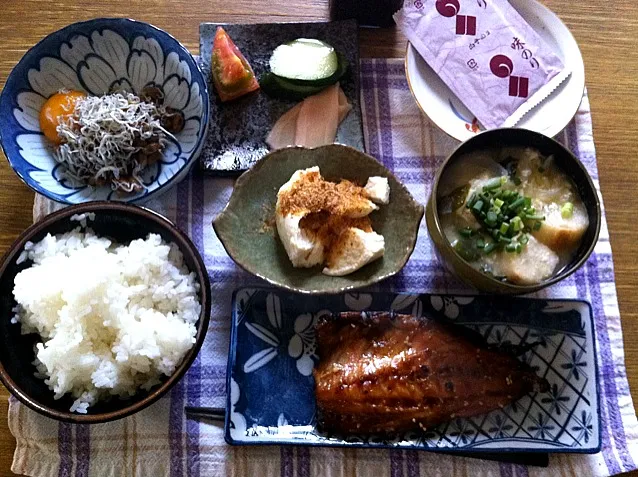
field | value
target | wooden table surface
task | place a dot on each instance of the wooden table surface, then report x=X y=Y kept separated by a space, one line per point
x=606 y=32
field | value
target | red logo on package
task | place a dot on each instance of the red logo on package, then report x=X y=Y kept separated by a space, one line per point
x=519 y=86
x=502 y=66
x=448 y=8
x=465 y=24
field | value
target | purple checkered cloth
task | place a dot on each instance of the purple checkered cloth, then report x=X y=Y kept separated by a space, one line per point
x=161 y=441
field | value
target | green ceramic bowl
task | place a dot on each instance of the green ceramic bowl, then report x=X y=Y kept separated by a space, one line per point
x=515 y=137
x=246 y=227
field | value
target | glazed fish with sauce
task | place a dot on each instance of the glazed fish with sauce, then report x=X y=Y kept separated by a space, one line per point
x=382 y=373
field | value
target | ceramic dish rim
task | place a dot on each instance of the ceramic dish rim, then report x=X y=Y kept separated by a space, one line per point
x=436 y=119
x=327 y=291
x=511 y=287
x=358 y=111
x=232 y=355
x=202 y=323
x=194 y=155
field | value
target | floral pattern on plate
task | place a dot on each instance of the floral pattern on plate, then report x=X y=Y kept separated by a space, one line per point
x=96 y=57
x=273 y=350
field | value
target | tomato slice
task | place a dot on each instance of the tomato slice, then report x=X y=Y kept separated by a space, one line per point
x=232 y=74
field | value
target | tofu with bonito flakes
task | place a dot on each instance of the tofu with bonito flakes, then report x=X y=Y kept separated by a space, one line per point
x=354 y=249
x=326 y=223
x=378 y=190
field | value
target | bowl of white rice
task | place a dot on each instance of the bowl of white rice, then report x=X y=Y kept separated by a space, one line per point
x=103 y=308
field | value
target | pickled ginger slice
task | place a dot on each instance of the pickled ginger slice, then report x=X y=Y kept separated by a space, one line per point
x=318 y=118
x=344 y=106
x=283 y=132
x=313 y=122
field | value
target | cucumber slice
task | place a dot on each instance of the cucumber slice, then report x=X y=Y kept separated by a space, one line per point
x=338 y=74
x=284 y=89
x=304 y=59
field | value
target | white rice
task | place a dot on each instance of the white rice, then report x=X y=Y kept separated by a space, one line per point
x=82 y=218
x=112 y=318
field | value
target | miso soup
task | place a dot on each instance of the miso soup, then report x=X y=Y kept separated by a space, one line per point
x=512 y=213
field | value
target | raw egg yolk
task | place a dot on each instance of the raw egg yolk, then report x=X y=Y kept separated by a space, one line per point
x=57 y=107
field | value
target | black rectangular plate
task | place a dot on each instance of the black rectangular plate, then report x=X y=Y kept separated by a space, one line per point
x=237 y=129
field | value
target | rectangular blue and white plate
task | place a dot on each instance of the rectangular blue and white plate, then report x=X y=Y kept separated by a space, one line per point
x=273 y=351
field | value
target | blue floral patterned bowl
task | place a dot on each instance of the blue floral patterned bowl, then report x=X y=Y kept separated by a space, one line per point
x=95 y=56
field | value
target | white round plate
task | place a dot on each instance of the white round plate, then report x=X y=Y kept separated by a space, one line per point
x=442 y=106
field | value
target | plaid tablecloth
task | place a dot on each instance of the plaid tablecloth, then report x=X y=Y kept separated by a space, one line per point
x=161 y=441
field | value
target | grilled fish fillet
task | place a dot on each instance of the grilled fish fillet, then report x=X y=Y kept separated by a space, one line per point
x=382 y=373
